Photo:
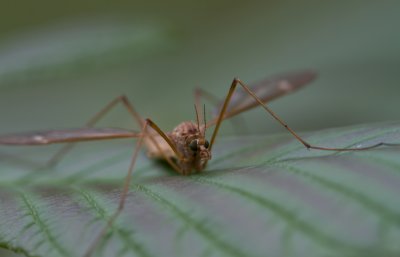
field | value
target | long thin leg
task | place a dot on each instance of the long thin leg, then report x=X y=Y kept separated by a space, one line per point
x=238 y=123
x=120 y=99
x=128 y=177
x=179 y=156
x=222 y=114
x=124 y=194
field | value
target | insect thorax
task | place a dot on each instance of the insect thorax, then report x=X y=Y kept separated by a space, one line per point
x=182 y=135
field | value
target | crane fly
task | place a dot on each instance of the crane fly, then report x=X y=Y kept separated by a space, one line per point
x=185 y=148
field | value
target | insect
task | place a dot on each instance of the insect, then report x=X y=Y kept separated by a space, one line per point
x=186 y=148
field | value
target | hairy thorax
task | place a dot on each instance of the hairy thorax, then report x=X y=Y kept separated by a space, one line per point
x=181 y=136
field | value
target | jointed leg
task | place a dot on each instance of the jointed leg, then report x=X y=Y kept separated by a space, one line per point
x=222 y=114
x=169 y=142
x=238 y=125
x=128 y=177
x=123 y=196
x=121 y=99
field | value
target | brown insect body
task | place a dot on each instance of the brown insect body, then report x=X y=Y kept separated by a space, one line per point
x=182 y=136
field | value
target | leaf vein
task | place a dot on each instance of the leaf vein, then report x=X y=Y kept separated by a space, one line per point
x=362 y=199
x=34 y=213
x=129 y=241
x=198 y=226
x=286 y=215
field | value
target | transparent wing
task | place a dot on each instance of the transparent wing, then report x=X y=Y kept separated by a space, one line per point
x=267 y=90
x=65 y=136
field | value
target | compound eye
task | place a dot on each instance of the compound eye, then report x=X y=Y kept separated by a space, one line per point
x=193 y=145
x=206 y=144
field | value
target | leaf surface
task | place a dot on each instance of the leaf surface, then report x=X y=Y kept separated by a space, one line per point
x=259 y=196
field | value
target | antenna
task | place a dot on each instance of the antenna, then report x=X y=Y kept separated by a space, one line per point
x=197 y=118
x=204 y=118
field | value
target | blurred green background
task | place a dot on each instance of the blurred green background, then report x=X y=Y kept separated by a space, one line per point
x=60 y=62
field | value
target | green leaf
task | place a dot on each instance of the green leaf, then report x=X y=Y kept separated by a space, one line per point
x=79 y=47
x=259 y=196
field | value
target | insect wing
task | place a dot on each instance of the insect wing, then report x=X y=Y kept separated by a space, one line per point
x=267 y=90
x=65 y=135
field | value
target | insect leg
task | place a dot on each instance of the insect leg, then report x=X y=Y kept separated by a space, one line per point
x=238 y=123
x=223 y=113
x=124 y=194
x=128 y=177
x=169 y=142
x=120 y=99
